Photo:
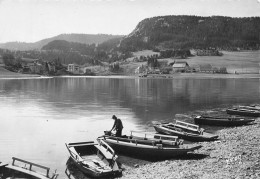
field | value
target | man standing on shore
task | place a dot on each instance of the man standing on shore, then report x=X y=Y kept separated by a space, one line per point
x=118 y=126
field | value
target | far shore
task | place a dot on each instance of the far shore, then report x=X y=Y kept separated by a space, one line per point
x=159 y=76
x=19 y=76
x=239 y=65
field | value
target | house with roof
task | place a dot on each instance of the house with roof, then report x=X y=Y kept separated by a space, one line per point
x=223 y=70
x=208 y=52
x=180 y=66
x=51 y=66
x=84 y=70
x=26 y=61
x=35 y=67
x=141 y=69
x=73 y=68
x=206 y=68
x=1 y=61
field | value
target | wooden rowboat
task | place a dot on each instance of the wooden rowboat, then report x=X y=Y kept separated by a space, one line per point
x=222 y=121
x=244 y=112
x=95 y=160
x=156 y=147
x=251 y=107
x=185 y=131
x=24 y=169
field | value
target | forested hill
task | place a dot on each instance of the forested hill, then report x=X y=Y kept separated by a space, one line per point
x=79 y=38
x=194 y=32
x=65 y=46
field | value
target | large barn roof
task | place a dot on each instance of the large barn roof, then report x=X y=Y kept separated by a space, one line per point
x=179 y=65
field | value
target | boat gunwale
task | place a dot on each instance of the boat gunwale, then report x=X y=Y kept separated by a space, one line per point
x=29 y=171
x=234 y=119
x=204 y=134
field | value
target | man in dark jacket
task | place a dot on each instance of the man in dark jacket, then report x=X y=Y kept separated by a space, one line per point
x=118 y=126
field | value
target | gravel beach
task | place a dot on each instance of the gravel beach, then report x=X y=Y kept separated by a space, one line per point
x=235 y=155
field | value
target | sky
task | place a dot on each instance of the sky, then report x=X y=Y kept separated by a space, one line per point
x=34 y=20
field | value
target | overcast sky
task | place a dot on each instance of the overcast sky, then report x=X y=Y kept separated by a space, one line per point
x=33 y=20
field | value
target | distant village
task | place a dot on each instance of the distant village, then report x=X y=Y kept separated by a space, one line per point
x=155 y=64
x=181 y=67
x=177 y=64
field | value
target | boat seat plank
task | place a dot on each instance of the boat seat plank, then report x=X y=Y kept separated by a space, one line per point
x=186 y=124
x=29 y=172
x=75 y=145
x=173 y=128
x=3 y=164
x=106 y=153
x=189 y=126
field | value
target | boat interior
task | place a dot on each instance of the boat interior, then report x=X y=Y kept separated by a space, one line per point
x=91 y=157
x=179 y=127
x=229 y=117
x=245 y=110
x=155 y=140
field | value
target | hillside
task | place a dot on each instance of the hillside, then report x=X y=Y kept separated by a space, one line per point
x=194 y=32
x=79 y=38
x=83 y=48
x=8 y=74
x=65 y=46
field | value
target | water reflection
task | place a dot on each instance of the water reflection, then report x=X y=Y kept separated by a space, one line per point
x=147 y=99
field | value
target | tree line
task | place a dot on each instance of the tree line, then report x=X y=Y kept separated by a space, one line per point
x=182 y=32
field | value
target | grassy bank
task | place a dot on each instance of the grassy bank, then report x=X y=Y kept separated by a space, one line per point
x=244 y=62
x=239 y=62
x=235 y=155
x=204 y=76
x=8 y=74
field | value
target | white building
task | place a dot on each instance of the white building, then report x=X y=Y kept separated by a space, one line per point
x=73 y=68
x=180 y=66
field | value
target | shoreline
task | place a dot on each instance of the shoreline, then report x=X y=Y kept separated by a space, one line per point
x=14 y=77
x=173 y=76
x=235 y=155
x=161 y=76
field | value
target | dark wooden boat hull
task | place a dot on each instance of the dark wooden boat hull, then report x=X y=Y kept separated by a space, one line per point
x=252 y=113
x=186 y=136
x=221 y=121
x=148 y=152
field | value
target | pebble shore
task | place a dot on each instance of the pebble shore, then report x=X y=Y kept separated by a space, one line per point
x=236 y=155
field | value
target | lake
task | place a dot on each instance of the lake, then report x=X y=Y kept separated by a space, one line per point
x=39 y=115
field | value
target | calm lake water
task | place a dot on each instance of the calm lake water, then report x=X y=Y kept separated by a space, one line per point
x=39 y=115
